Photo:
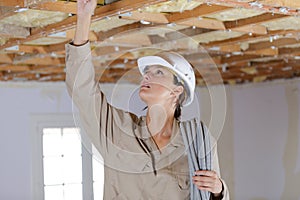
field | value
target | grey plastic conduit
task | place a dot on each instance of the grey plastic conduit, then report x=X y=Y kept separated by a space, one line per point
x=197 y=143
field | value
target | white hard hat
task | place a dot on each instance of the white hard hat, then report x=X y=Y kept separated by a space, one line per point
x=176 y=63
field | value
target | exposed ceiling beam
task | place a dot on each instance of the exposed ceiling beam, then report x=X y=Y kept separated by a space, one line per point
x=290 y=50
x=48 y=69
x=102 y=35
x=148 y=17
x=238 y=58
x=253 y=29
x=43 y=49
x=61 y=6
x=19 y=3
x=38 y=60
x=252 y=20
x=100 y=12
x=273 y=43
x=203 y=9
x=203 y=23
x=247 y=37
x=6 y=58
x=14 y=68
x=284 y=3
x=264 y=52
x=273 y=6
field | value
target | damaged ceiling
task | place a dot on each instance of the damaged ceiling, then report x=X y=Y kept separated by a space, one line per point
x=227 y=41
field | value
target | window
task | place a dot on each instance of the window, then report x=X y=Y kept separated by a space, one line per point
x=62 y=164
x=64 y=168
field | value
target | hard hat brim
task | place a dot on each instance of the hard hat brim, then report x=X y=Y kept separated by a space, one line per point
x=145 y=61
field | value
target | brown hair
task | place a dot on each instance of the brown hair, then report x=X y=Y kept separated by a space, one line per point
x=177 y=113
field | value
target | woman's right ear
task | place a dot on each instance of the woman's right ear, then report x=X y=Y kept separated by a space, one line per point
x=178 y=90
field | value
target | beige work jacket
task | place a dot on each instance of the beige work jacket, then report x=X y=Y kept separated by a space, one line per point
x=134 y=168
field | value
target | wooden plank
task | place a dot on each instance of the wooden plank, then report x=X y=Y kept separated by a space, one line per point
x=252 y=20
x=106 y=50
x=43 y=49
x=52 y=78
x=261 y=5
x=252 y=28
x=283 y=3
x=39 y=60
x=48 y=69
x=100 y=12
x=230 y=48
x=203 y=9
x=61 y=6
x=6 y=58
x=14 y=68
x=20 y=76
x=149 y=17
x=203 y=23
x=290 y=51
x=247 y=38
x=14 y=3
x=275 y=43
x=92 y=35
x=131 y=39
x=177 y=35
x=265 y=52
x=102 y=35
x=238 y=58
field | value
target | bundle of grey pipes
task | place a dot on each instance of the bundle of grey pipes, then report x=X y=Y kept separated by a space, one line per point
x=197 y=142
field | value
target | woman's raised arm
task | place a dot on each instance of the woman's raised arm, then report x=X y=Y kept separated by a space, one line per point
x=85 y=10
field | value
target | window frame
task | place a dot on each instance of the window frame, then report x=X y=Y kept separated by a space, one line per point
x=38 y=123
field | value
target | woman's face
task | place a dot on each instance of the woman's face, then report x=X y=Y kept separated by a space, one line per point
x=157 y=86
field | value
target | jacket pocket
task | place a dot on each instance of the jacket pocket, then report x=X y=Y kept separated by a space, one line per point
x=183 y=181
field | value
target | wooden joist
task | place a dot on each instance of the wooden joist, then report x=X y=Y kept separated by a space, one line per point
x=13 y=3
x=43 y=49
x=61 y=6
x=290 y=50
x=38 y=60
x=283 y=3
x=273 y=43
x=6 y=58
x=272 y=6
x=14 y=68
x=100 y=12
x=248 y=38
x=203 y=9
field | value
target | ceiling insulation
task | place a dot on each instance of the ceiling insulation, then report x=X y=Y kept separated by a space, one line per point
x=110 y=23
x=34 y=18
x=216 y=36
x=248 y=40
x=282 y=3
x=2 y=41
x=235 y=14
x=286 y=23
x=173 y=6
x=46 y=41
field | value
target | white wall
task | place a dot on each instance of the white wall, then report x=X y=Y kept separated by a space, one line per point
x=258 y=148
x=17 y=103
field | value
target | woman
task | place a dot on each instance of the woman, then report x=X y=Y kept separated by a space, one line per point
x=144 y=157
